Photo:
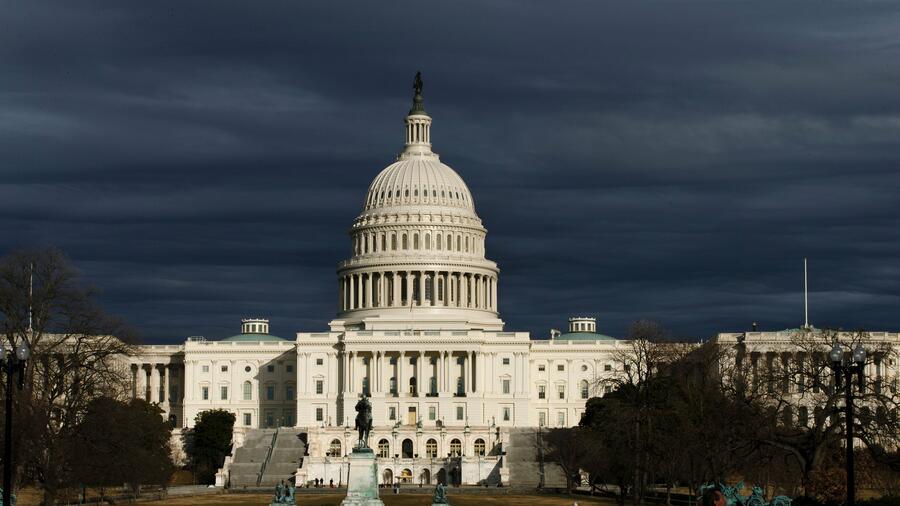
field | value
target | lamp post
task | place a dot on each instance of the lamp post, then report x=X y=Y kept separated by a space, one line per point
x=843 y=378
x=12 y=364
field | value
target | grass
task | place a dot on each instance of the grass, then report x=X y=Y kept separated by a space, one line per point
x=389 y=500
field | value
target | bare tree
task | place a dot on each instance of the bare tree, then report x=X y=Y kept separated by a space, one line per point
x=77 y=355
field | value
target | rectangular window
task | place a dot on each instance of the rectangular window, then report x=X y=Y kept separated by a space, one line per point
x=560 y=367
x=562 y=391
x=506 y=414
x=205 y=393
x=319 y=361
x=270 y=392
x=289 y=393
x=206 y=368
x=392 y=413
x=505 y=384
x=224 y=368
x=542 y=367
x=432 y=413
x=224 y=393
x=506 y=361
x=320 y=415
x=290 y=368
x=320 y=387
x=561 y=419
x=542 y=391
x=248 y=419
x=542 y=419
x=460 y=413
x=607 y=367
x=270 y=368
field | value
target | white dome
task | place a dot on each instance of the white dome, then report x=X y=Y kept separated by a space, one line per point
x=419 y=181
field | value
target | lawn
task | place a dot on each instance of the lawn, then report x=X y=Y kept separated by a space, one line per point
x=389 y=500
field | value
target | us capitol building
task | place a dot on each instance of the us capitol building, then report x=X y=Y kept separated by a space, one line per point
x=417 y=331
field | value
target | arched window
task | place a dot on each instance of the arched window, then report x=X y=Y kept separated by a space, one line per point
x=415 y=241
x=405 y=245
x=584 y=389
x=427 y=241
x=248 y=391
x=384 y=449
x=479 y=447
x=431 y=449
x=393 y=242
x=467 y=244
x=365 y=243
x=334 y=449
x=449 y=242
x=406 y=193
x=416 y=192
x=438 y=241
x=459 y=243
x=407 y=449
x=455 y=448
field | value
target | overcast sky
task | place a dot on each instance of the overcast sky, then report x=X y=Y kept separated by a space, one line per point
x=200 y=162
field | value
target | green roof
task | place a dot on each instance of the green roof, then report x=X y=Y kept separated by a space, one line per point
x=247 y=338
x=584 y=336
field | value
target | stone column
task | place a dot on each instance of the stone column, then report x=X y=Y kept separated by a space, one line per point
x=370 y=279
x=494 y=294
x=463 y=290
x=167 y=385
x=466 y=368
x=439 y=362
x=154 y=383
x=401 y=385
x=346 y=373
x=352 y=283
x=409 y=288
x=421 y=301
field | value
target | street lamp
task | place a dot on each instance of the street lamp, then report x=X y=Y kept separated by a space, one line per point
x=843 y=378
x=15 y=362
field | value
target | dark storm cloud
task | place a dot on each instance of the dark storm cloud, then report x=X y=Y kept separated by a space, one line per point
x=675 y=160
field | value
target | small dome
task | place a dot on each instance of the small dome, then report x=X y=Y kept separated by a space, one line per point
x=246 y=338
x=584 y=336
x=423 y=181
x=254 y=330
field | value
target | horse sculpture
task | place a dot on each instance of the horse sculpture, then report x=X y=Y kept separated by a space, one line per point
x=363 y=422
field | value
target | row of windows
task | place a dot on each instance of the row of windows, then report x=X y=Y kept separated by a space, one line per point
x=269 y=392
x=373 y=243
x=397 y=192
x=584 y=390
x=335 y=449
x=560 y=418
x=562 y=367
x=269 y=368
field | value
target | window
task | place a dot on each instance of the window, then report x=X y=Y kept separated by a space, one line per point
x=248 y=419
x=505 y=383
x=393 y=385
x=607 y=367
x=384 y=449
x=431 y=449
x=560 y=367
x=247 y=369
x=289 y=393
x=455 y=448
x=584 y=389
x=223 y=393
x=542 y=419
x=319 y=361
x=224 y=368
x=803 y=416
x=206 y=368
x=320 y=386
x=289 y=368
x=392 y=413
x=460 y=413
x=583 y=368
x=320 y=415
x=270 y=368
x=479 y=447
x=433 y=386
x=248 y=391
x=542 y=367
x=432 y=413
x=506 y=361
x=506 y=414
x=561 y=419
x=334 y=449
x=542 y=391
x=365 y=386
x=205 y=393
x=270 y=392
x=562 y=391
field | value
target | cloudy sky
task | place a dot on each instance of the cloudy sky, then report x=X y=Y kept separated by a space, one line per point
x=202 y=161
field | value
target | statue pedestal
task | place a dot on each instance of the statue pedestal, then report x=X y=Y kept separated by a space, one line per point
x=362 y=482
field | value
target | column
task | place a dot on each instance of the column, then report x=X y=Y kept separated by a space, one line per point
x=419 y=385
x=352 y=283
x=409 y=288
x=154 y=383
x=395 y=288
x=442 y=284
x=421 y=301
x=494 y=293
x=447 y=372
x=341 y=293
x=188 y=382
x=167 y=375
x=401 y=385
x=463 y=290
x=466 y=373
x=359 y=291
x=476 y=371
x=479 y=372
x=346 y=375
x=371 y=279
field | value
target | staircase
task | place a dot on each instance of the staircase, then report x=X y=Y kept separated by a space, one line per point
x=267 y=457
x=524 y=462
x=286 y=456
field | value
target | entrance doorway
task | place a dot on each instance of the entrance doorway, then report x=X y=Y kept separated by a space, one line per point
x=411 y=418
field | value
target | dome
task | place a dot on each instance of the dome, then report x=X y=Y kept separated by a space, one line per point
x=244 y=338
x=419 y=181
x=584 y=336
